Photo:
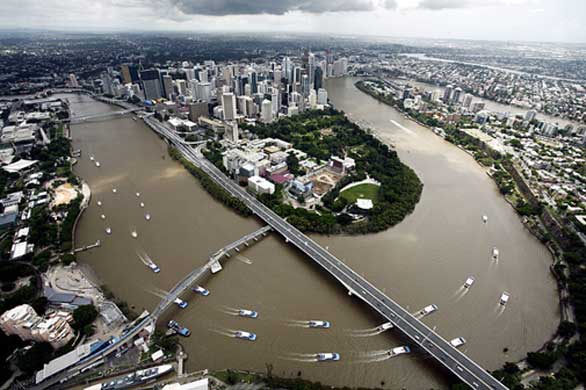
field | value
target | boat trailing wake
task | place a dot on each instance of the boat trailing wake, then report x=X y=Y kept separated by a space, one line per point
x=244 y=259
x=365 y=332
x=223 y=332
x=229 y=310
x=300 y=357
x=297 y=323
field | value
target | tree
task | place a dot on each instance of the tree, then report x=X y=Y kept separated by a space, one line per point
x=33 y=358
x=541 y=360
x=84 y=315
x=566 y=329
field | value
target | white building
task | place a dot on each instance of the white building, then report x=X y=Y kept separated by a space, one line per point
x=266 y=112
x=322 y=96
x=260 y=186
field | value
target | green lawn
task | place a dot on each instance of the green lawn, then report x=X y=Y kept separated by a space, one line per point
x=367 y=190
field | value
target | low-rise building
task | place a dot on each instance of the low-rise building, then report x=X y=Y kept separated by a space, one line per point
x=260 y=186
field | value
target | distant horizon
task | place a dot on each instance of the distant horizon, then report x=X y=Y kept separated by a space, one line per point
x=105 y=31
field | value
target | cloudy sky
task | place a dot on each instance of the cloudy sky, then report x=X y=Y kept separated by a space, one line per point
x=525 y=20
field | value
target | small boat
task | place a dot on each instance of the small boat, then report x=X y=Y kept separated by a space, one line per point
x=469 y=282
x=504 y=298
x=399 y=351
x=147 y=216
x=134 y=234
x=99 y=203
x=427 y=310
x=385 y=326
x=155 y=268
x=240 y=334
x=98 y=164
x=327 y=356
x=495 y=254
x=458 y=341
x=134 y=118
x=247 y=313
x=319 y=324
x=485 y=218
x=108 y=231
x=114 y=190
x=138 y=194
x=201 y=291
x=181 y=330
x=92 y=158
x=141 y=204
x=102 y=216
x=180 y=302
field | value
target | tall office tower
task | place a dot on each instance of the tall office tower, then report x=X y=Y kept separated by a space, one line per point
x=73 y=81
x=151 y=84
x=189 y=73
x=168 y=89
x=312 y=99
x=182 y=87
x=198 y=109
x=241 y=105
x=324 y=68
x=107 y=83
x=530 y=115
x=275 y=100
x=467 y=100
x=305 y=59
x=329 y=57
x=247 y=90
x=193 y=89
x=340 y=67
x=296 y=98
x=322 y=96
x=318 y=78
x=204 y=91
x=448 y=94
x=253 y=82
x=456 y=95
x=287 y=67
x=277 y=76
x=250 y=107
x=266 y=112
x=436 y=95
x=311 y=67
x=305 y=85
x=231 y=131
x=203 y=76
x=229 y=106
x=227 y=74
x=126 y=77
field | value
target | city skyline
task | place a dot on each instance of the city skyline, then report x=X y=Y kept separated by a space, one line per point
x=518 y=20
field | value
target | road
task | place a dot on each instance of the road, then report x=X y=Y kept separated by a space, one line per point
x=419 y=333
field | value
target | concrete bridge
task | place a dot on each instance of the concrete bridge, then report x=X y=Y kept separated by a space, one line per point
x=103 y=115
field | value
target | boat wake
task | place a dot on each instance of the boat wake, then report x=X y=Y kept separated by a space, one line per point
x=300 y=357
x=373 y=359
x=223 y=332
x=145 y=258
x=297 y=323
x=229 y=310
x=365 y=332
x=244 y=259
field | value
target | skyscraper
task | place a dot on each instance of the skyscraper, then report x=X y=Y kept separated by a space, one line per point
x=318 y=78
x=151 y=84
x=266 y=111
x=448 y=94
x=229 y=106
x=168 y=89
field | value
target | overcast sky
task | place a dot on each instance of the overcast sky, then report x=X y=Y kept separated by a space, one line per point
x=524 y=20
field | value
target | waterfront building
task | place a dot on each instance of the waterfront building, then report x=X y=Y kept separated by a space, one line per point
x=322 y=96
x=151 y=84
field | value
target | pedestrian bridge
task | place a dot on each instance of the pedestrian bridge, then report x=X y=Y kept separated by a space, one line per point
x=103 y=115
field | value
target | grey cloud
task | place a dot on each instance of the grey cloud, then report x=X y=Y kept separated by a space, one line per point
x=274 y=7
x=444 y=4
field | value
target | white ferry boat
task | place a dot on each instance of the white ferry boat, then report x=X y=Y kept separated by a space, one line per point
x=399 y=351
x=469 y=282
x=98 y=164
x=458 y=342
x=385 y=326
x=247 y=313
x=240 y=334
x=134 y=234
x=495 y=254
x=141 y=204
x=114 y=190
x=108 y=231
x=147 y=217
x=92 y=158
x=200 y=290
x=427 y=310
x=485 y=218
x=102 y=216
x=155 y=268
x=99 y=203
x=504 y=298
x=138 y=194
x=180 y=302
x=327 y=356
x=319 y=324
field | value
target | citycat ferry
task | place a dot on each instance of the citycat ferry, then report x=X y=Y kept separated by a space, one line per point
x=247 y=313
x=240 y=334
x=180 y=302
x=504 y=298
x=469 y=282
x=319 y=324
x=427 y=310
x=385 y=326
x=398 y=351
x=327 y=356
x=200 y=290
x=458 y=341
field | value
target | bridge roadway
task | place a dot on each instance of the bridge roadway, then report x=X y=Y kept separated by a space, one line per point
x=419 y=333
x=80 y=119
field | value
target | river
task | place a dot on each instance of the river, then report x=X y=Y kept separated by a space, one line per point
x=423 y=260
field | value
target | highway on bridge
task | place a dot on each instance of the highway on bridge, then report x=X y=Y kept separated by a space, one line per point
x=419 y=333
